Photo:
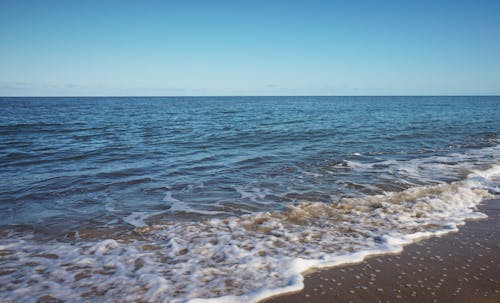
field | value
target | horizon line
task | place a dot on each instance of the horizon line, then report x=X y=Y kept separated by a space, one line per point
x=239 y=96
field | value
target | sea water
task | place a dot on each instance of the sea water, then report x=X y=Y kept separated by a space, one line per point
x=228 y=199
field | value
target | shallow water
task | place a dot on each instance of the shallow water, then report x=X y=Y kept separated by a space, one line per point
x=171 y=199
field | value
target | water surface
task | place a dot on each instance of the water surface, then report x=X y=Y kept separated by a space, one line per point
x=120 y=199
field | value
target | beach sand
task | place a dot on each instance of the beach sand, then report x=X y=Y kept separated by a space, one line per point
x=457 y=267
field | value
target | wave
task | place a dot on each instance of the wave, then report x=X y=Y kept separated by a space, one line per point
x=240 y=258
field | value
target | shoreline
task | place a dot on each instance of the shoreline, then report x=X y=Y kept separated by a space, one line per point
x=461 y=266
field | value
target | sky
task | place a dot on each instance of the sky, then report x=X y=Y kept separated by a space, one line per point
x=253 y=47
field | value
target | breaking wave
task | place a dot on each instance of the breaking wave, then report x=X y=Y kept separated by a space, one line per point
x=239 y=258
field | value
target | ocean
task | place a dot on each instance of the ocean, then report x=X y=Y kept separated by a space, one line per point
x=228 y=199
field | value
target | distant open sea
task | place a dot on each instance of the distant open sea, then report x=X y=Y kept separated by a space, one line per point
x=182 y=199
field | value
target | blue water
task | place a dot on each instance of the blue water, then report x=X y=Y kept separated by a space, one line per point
x=74 y=157
x=197 y=188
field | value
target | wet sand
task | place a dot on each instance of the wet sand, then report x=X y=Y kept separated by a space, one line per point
x=458 y=267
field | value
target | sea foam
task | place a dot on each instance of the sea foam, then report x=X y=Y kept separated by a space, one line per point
x=240 y=258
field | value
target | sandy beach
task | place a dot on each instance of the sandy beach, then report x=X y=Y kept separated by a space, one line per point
x=458 y=267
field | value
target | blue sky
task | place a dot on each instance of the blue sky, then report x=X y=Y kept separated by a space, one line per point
x=249 y=47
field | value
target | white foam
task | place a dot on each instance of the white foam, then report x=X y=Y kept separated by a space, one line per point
x=181 y=206
x=137 y=218
x=254 y=194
